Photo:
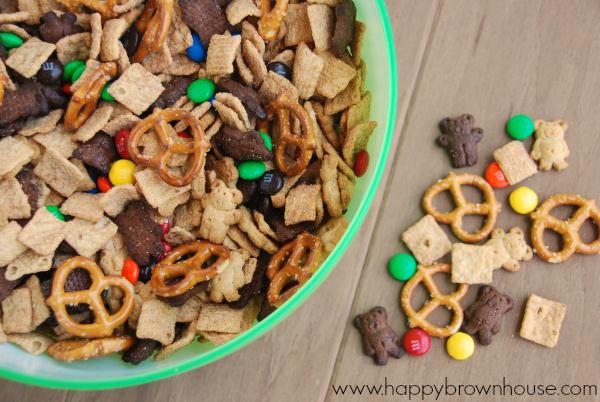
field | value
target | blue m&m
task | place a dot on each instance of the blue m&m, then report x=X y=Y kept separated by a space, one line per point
x=197 y=51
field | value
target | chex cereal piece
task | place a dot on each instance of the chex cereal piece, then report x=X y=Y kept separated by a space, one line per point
x=90 y=68
x=263 y=226
x=14 y=17
x=297 y=24
x=243 y=241
x=123 y=62
x=332 y=232
x=17 y=312
x=247 y=225
x=155 y=62
x=182 y=65
x=10 y=246
x=14 y=199
x=96 y=23
x=348 y=97
x=37 y=148
x=87 y=183
x=54 y=199
x=93 y=124
x=43 y=233
x=232 y=111
x=225 y=169
x=59 y=139
x=8 y=84
x=117 y=198
x=307 y=70
x=13 y=154
x=357 y=140
x=84 y=206
x=29 y=57
x=331 y=189
x=179 y=37
x=34 y=8
x=87 y=237
x=157 y=321
x=427 y=241
x=360 y=112
x=74 y=47
x=301 y=204
x=515 y=162
x=110 y=263
x=237 y=10
x=335 y=77
x=123 y=122
x=117 y=246
x=189 y=215
x=357 y=41
x=250 y=313
x=273 y=86
x=137 y=88
x=472 y=264
x=322 y=23
x=542 y=321
x=279 y=199
x=219 y=318
x=29 y=262
x=326 y=123
x=34 y=343
x=255 y=62
x=14 y=29
x=363 y=68
x=226 y=284
x=178 y=236
x=221 y=54
x=346 y=190
x=113 y=29
x=58 y=172
x=185 y=338
x=243 y=69
x=342 y=166
x=168 y=208
x=38 y=302
x=286 y=57
x=249 y=32
x=35 y=125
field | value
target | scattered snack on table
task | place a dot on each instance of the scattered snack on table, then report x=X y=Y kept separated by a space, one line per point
x=460 y=139
x=416 y=342
x=550 y=148
x=484 y=317
x=523 y=200
x=427 y=241
x=520 y=127
x=515 y=163
x=472 y=264
x=542 y=321
x=460 y=346
x=509 y=249
x=403 y=266
x=380 y=340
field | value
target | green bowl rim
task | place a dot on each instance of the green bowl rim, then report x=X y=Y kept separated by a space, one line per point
x=284 y=311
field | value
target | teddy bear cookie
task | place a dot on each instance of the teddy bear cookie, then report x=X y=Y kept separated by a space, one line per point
x=484 y=317
x=460 y=139
x=380 y=339
x=550 y=148
x=219 y=212
x=509 y=249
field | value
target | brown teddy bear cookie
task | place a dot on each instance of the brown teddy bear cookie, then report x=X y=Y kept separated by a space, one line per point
x=509 y=249
x=460 y=139
x=380 y=339
x=550 y=148
x=484 y=317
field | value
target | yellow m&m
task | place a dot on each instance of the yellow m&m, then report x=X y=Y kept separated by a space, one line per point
x=121 y=172
x=523 y=200
x=460 y=346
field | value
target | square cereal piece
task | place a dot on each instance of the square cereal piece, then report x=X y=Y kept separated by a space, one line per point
x=189 y=215
x=472 y=264
x=301 y=204
x=322 y=24
x=29 y=57
x=542 y=321
x=335 y=77
x=14 y=199
x=93 y=124
x=221 y=54
x=13 y=153
x=116 y=199
x=156 y=191
x=96 y=24
x=360 y=112
x=87 y=237
x=34 y=8
x=515 y=162
x=357 y=140
x=8 y=84
x=155 y=62
x=43 y=233
x=219 y=318
x=29 y=262
x=357 y=41
x=123 y=122
x=179 y=37
x=84 y=206
x=10 y=246
x=87 y=183
x=185 y=338
x=307 y=70
x=297 y=24
x=20 y=16
x=113 y=29
x=35 y=343
x=58 y=172
x=332 y=232
x=74 y=47
x=17 y=312
x=137 y=88
x=178 y=236
x=157 y=321
x=348 y=97
x=38 y=302
x=190 y=310
x=182 y=65
x=59 y=139
x=427 y=241
x=90 y=68
x=237 y=10
x=36 y=125
x=273 y=86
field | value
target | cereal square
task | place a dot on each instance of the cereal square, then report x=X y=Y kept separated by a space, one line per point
x=427 y=241
x=38 y=302
x=93 y=124
x=35 y=125
x=542 y=321
x=84 y=206
x=332 y=232
x=43 y=233
x=157 y=321
x=273 y=86
x=87 y=237
x=357 y=140
x=297 y=24
x=301 y=204
x=59 y=139
x=137 y=88
x=237 y=10
x=13 y=153
x=74 y=47
x=357 y=41
x=219 y=318
x=472 y=264
x=17 y=312
x=117 y=198
x=35 y=343
x=185 y=338
x=14 y=199
x=348 y=97
x=307 y=70
x=189 y=311
x=359 y=113
x=221 y=54
x=322 y=24
x=87 y=183
x=156 y=191
x=123 y=122
x=113 y=29
x=515 y=162
x=29 y=57
x=10 y=246
x=58 y=172
x=155 y=62
x=29 y=262
x=335 y=77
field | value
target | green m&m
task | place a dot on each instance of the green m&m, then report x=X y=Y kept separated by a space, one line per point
x=54 y=210
x=520 y=127
x=251 y=170
x=267 y=139
x=10 y=41
x=201 y=90
x=403 y=266
x=105 y=95
x=77 y=74
x=70 y=69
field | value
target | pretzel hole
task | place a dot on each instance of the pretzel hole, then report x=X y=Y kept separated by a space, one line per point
x=553 y=240
x=588 y=232
x=473 y=194
x=563 y=212
x=443 y=202
x=473 y=223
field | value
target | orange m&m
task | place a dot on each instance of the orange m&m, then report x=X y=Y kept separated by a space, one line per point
x=495 y=176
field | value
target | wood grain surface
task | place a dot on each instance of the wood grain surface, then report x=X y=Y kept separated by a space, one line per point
x=492 y=59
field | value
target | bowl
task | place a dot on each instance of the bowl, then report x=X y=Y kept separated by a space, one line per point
x=111 y=372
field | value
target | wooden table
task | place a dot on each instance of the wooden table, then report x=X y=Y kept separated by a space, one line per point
x=492 y=59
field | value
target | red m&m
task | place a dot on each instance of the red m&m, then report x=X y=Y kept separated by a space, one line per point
x=166 y=227
x=104 y=184
x=417 y=342
x=130 y=271
x=495 y=176
x=361 y=164
x=121 y=143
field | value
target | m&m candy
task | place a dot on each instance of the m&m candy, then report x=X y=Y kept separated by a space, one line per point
x=70 y=69
x=95 y=190
x=495 y=176
x=121 y=172
x=201 y=90
x=403 y=266
x=417 y=342
x=77 y=73
x=166 y=227
x=10 y=41
x=121 y=143
x=267 y=139
x=197 y=51
x=104 y=184
x=67 y=89
x=520 y=127
x=104 y=93
x=54 y=210
x=361 y=164
x=168 y=248
x=523 y=200
x=460 y=346
x=130 y=271
x=251 y=170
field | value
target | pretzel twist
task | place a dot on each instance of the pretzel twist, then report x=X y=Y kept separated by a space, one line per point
x=490 y=207
x=87 y=96
x=418 y=319
x=271 y=20
x=104 y=323
x=568 y=229
x=154 y=26
x=106 y=8
x=159 y=119
x=83 y=349
x=307 y=143
x=191 y=269
x=281 y=276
